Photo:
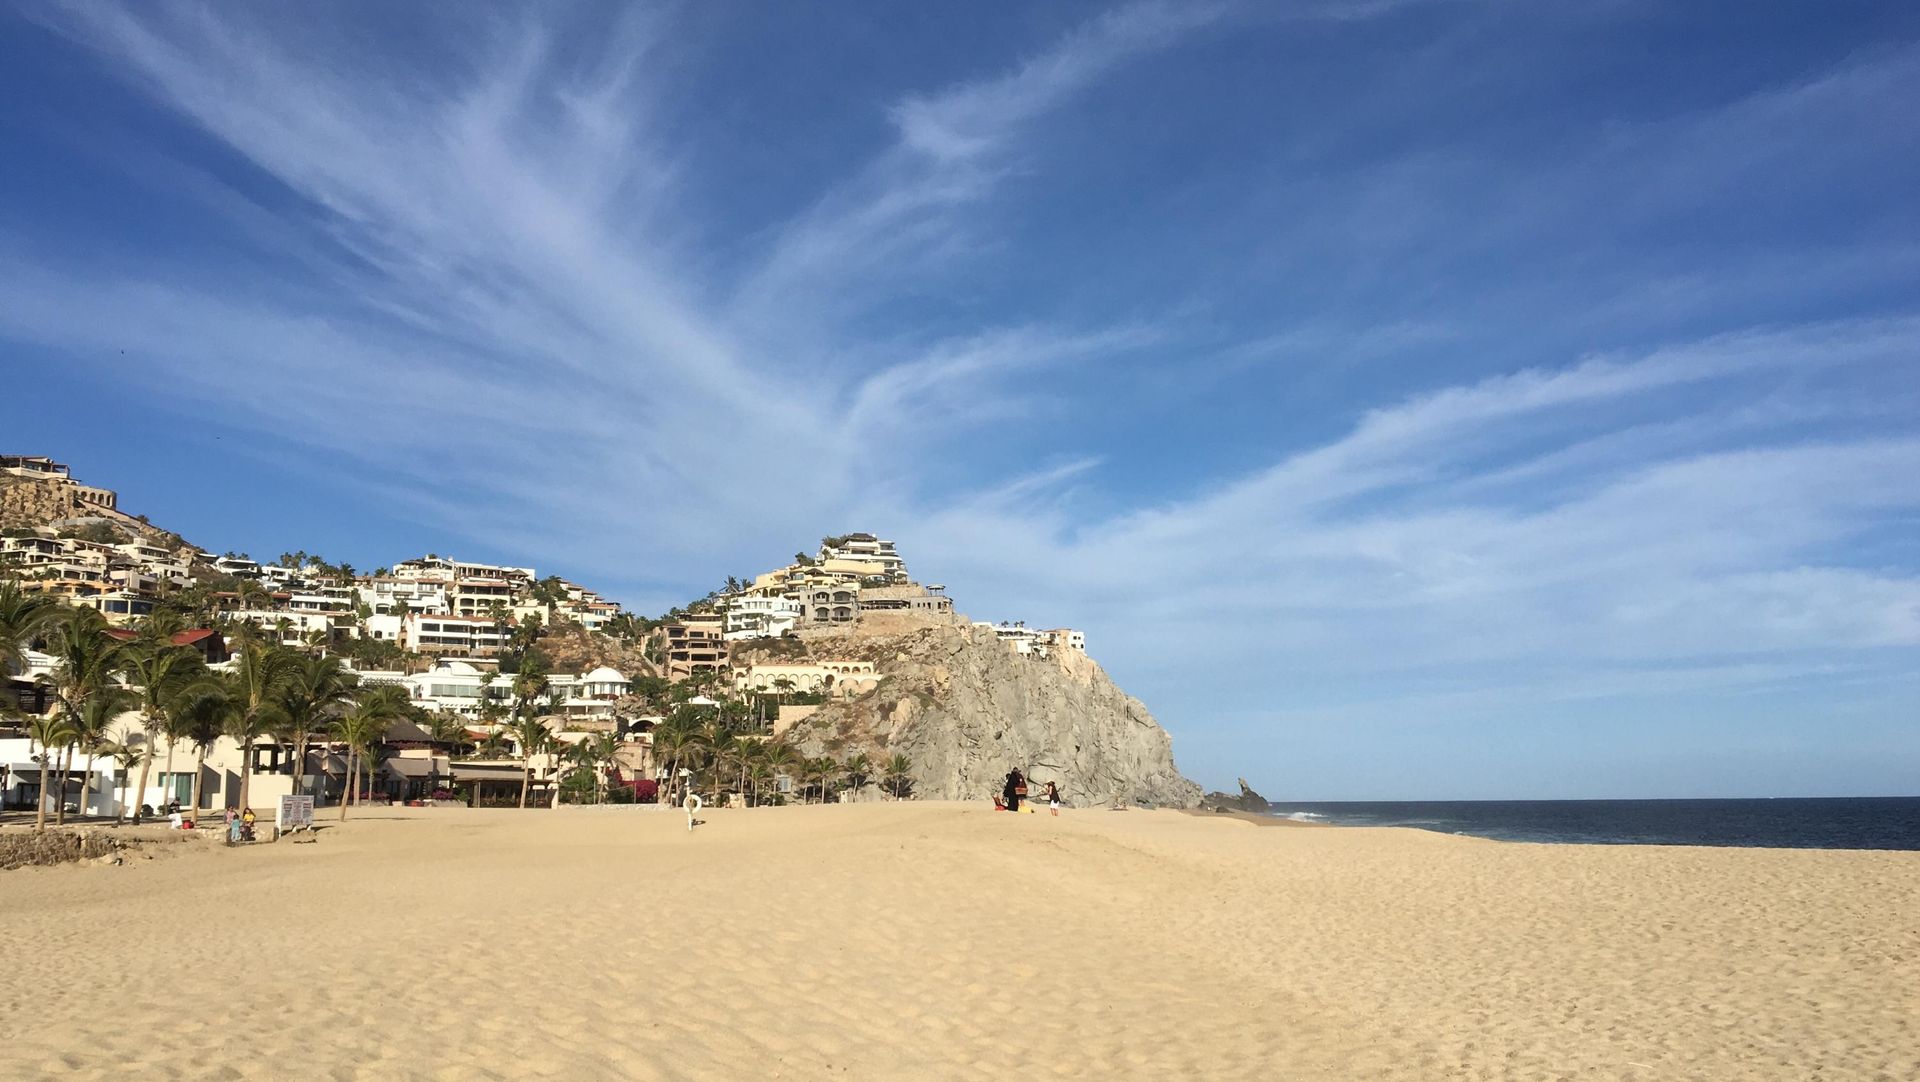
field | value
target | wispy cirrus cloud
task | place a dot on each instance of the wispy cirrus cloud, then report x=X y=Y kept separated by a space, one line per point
x=950 y=150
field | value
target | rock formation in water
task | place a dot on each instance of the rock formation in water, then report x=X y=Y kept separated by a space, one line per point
x=965 y=709
x=1247 y=801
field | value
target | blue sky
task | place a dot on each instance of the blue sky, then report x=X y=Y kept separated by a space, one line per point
x=1410 y=400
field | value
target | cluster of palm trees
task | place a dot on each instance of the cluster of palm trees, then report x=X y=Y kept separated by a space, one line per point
x=702 y=749
x=269 y=692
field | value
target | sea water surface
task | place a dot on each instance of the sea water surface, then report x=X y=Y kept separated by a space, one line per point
x=1786 y=823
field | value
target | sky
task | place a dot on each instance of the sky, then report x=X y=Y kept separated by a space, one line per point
x=1410 y=400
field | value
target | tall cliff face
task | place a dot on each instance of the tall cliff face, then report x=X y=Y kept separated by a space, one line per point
x=965 y=709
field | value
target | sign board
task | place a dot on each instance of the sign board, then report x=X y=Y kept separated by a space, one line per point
x=295 y=813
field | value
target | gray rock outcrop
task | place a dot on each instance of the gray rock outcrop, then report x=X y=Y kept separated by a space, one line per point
x=965 y=709
x=1247 y=801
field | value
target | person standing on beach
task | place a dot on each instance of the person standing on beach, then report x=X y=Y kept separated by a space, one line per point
x=1053 y=797
x=1015 y=789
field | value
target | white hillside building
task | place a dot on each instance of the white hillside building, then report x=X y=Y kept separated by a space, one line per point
x=752 y=616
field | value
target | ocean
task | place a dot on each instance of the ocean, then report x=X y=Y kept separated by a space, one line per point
x=1788 y=822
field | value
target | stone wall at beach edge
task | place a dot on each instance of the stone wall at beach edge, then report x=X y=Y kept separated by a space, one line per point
x=965 y=708
x=25 y=848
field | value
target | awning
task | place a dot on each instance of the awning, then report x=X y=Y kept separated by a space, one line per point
x=488 y=772
x=414 y=768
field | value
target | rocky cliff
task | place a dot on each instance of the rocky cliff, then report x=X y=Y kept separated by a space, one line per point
x=965 y=708
x=33 y=502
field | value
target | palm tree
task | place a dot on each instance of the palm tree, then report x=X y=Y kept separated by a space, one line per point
x=761 y=775
x=673 y=741
x=723 y=750
x=534 y=737
x=251 y=591
x=583 y=756
x=752 y=759
x=899 y=769
x=23 y=616
x=780 y=758
x=824 y=768
x=360 y=729
x=858 y=768
x=159 y=670
x=317 y=640
x=49 y=731
x=200 y=714
x=373 y=755
x=604 y=752
x=529 y=683
x=259 y=678
x=128 y=754
x=495 y=746
x=91 y=729
x=162 y=624
x=316 y=689
x=172 y=723
x=447 y=729
x=88 y=660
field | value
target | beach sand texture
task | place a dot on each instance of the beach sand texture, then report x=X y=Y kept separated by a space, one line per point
x=890 y=941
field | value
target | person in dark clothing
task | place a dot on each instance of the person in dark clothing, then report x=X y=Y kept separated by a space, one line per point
x=1015 y=790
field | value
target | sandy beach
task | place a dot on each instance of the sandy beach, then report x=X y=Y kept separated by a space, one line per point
x=941 y=941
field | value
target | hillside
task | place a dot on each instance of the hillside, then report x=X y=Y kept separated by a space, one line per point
x=964 y=708
x=28 y=503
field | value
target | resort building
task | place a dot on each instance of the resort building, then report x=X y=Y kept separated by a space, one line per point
x=120 y=607
x=844 y=679
x=20 y=779
x=470 y=636
x=39 y=468
x=322 y=598
x=454 y=687
x=1066 y=638
x=1028 y=641
x=35 y=466
x=479 y=596
x=750 y=616
x=865 y=553
x=237 y=566
x=835 y=604
x=446 y=570
x=289 y=628
x=696 y=644
x=389 y=595
x=603 y=683
x=906 y=597
x=463 y=688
